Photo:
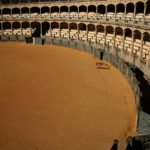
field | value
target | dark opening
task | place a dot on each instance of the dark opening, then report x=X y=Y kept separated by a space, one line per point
x=15 y=11
x=120 y=8
x=37 y=27
x=25 y=25
x=73 y=9
x=54 y=9
x=15 y=25
x=92 y=8
x=25 y=10
x=6 y=25
x=45 y=27
x=64 y=9
x=45 y=9
x=139 y=7
x=82 y=26
x=73 y=26
x=82 y=8
x=111 y=8
x=130 y=8
x=6 y=11
x=101 y=9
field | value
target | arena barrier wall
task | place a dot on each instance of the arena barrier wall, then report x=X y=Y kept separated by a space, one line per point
x=143 y=119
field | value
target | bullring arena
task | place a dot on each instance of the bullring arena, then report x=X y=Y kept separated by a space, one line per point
x=74 y=75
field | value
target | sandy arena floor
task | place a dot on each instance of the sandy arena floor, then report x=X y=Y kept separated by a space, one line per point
x=54 y=98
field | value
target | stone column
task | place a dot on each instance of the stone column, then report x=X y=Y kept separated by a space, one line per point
x=41 y=29
x=78 y=32
x=123 y=42
x=50 y=12
x=106 y=14
x=68 y=12
x=40 y=13
x=86 y=33
x=125 y=13
x=145 y=7
x=68 y=32
x=95 y=35
x=87 y=11
x=50 y=28
x=96 y=12
x=59 y=12
x=134 y=13
x=104 y=37
x=78 y=13
x=141 y=48
x=114 y=47
x=115 y=12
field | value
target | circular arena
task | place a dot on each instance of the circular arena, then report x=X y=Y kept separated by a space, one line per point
x=74 y=74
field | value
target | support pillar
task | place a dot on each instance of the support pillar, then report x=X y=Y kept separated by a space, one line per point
x=141 y=48
x=87 y=11
x=123 y=42
x=78 y=32
x=115 y=12
x=145 y=8
x=68 y=12
x=104 y=37
x=106 y=14
x=125 y=13
x=134 y=13
x=86 y=33
x=95 y=42
x=41 y=30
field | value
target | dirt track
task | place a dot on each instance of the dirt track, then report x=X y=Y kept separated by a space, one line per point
x=54 y=98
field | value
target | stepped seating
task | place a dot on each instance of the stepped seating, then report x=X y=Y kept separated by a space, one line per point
x=82 y=15
x=48 y=33
x=25 y=16
x=7 y=32
x=73 y=34
x=111 y=16
x=147 y=19
x=34 y=15
x=45 y=15
x=100 y=38
x=146 y=49
x=139 y=18
x=137 y=47
x=55 y=15
x=27 y=31
x=110 y=39
x=64 y=33
x=100 y=16
x=7 y=17
x=128 y=44
x=118 y=41
x=92 y=15
x=120 y=17
x=64 y=15
x=1 y=32
x=16 y=16
x=73 y=15
x=17 y=31
x=82 y=35
x=129 y=17
x=55 y=33
x=91 y=36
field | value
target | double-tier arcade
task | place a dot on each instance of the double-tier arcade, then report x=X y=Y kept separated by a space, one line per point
x=116 y=27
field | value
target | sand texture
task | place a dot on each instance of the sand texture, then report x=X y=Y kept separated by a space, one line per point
x=54 y=98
